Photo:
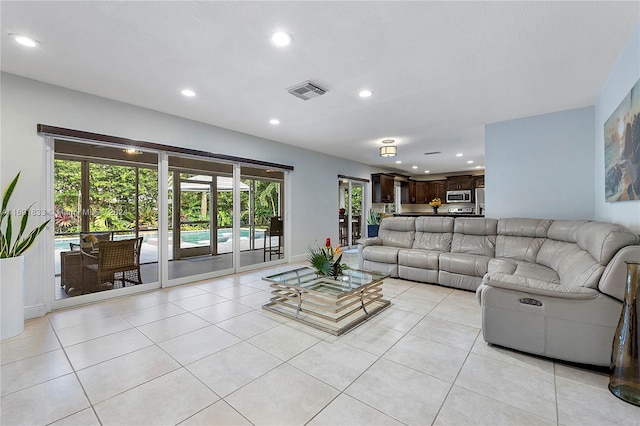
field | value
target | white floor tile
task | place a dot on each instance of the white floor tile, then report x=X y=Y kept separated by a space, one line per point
x=104 y=348
x=44 y=403
x=117 y=375
x=435 y=359
x=169 y=399
x=78 y=333
x=347 y=411
x=217 y=414
x=168 y=328
x=283 y=342
x=463 y=407
x=222 y=311
x=16 y=349
x=32 y=371
x=336 y=364
x=520 y=387
x=153 y=313
x=198 y=344
x=446 y=332
x=199 y=301
x=248 y=325
x=409 y=396
x=580 y=404
x=228 y=370
x=284 y=396
x=85 y=417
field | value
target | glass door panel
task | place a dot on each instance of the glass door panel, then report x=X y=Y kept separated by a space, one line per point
x=103 y=196
x=262 y=226
x=200 y=217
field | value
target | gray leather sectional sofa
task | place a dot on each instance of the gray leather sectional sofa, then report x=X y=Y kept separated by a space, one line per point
x=547 y=287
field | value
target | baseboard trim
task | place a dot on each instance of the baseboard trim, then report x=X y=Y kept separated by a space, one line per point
x=35 y=311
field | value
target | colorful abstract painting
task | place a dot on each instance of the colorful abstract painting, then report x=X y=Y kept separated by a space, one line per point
x=622 y=149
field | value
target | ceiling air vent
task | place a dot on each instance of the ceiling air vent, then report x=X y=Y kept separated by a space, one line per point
x=306 y=90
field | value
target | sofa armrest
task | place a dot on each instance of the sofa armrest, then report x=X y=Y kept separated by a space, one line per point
x=533 y=286
x=371 y=241
x=614 y=278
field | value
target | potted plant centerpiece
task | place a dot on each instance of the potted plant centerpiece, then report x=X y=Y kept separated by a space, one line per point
x=12 y=264
x=327 y=260
x=373 y=224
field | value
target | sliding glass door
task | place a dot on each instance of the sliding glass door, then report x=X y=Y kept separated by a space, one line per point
x=219 y=218
x=350 y=217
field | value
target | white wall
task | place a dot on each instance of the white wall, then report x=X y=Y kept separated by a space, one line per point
x=25 y=103
x=624 y=75
x=541 y=166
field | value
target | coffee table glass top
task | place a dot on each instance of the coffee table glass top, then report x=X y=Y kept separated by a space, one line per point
x=305 y=278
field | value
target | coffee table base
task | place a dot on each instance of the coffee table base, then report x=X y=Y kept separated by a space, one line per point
x=335 y=325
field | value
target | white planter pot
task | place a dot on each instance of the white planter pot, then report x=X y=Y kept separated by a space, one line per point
x=11 y=296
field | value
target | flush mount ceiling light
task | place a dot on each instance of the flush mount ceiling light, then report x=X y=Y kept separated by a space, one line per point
x=365 y=93
x=281 y=39
x=388 y=151
x=274 y=121
x=24 y=40
x=188 y=93
x=132 y=151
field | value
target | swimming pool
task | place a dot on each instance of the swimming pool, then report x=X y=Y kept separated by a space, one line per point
x=193 y=237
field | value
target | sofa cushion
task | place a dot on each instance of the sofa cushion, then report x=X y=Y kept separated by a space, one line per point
x=523 y=269
x=464 y=263
x=481 y=245
x=427 y=259
x=434 y=224
x=520 y=227
x=433 y=233
x=565 y=230
x=575 y=266
x=381 y=254
x=475 y=226
x=603 y=240
x=397 y=231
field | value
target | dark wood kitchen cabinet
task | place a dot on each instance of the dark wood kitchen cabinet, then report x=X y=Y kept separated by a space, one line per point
x=382 y=188
x=422 y=192
x=439 y=190
x=479 y=182
x=457 y=183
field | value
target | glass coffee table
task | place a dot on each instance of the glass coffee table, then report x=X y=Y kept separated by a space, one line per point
x=334 y=305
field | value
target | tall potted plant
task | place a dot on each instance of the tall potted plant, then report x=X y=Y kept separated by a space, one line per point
x=373 y=223
x=12 y=264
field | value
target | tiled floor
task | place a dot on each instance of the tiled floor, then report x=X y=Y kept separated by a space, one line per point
x=207 y=354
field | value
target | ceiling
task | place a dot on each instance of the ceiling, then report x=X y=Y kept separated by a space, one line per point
x=439 y=71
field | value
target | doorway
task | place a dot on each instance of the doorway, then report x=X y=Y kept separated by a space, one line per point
x=351 y=206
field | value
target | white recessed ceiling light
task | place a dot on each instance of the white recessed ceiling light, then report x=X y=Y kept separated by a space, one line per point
x=281 y=38
x=427 y=171
x=24 y=40
x=459 y=154
x=365 y=93
x=470 y=162
x=274 y=121
x=188 y=92
x=414 y=167
x=398 y=162
x=478 y=167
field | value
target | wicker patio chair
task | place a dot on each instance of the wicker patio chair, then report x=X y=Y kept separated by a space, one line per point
x=115 y=262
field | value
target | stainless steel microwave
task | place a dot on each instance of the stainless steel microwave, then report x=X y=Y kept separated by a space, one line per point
x=463 y=196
